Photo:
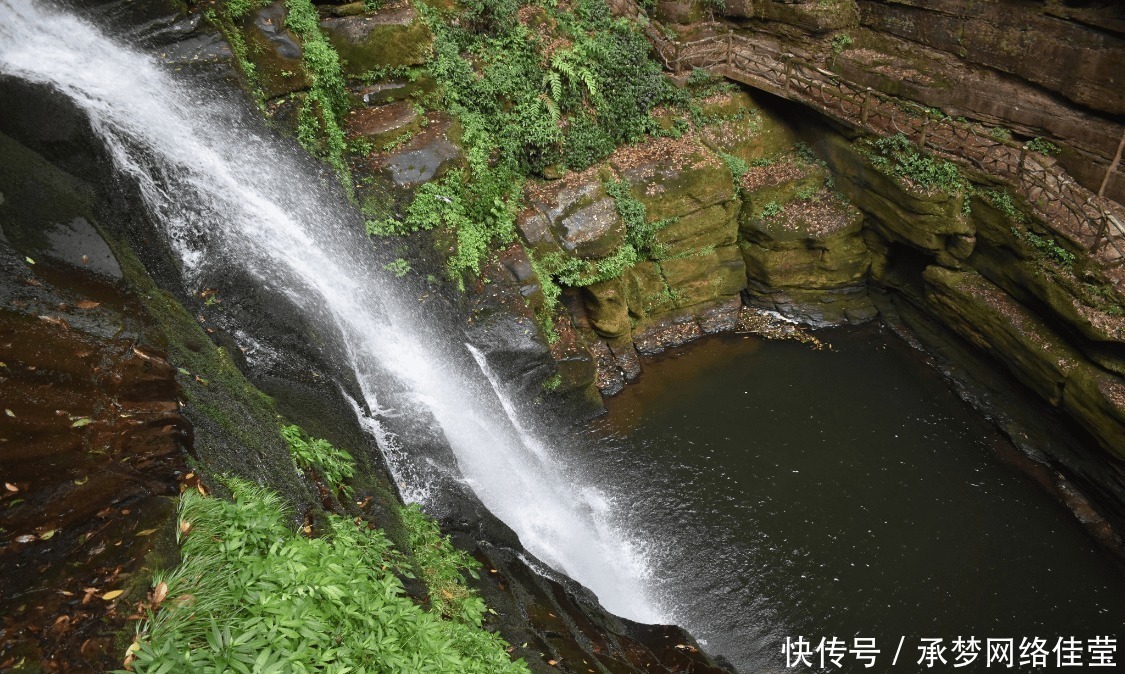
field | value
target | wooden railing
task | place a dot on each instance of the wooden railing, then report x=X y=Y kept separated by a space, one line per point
x=1071 y=209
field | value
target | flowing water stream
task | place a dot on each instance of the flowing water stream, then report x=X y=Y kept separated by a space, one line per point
x=226 y=193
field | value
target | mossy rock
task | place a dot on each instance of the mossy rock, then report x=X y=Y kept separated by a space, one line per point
x=680 y=11
x=645 y=290
x=275 y=52
x=992 y=320
x=924 y=220
x=392 y=38
x=1014 y=264
x=705 y=276
x=1097 y=399
x=834 y=263
x=675 y=187
x=709 y=227
x=813 y=17
x=607 y=307
x=745 y=129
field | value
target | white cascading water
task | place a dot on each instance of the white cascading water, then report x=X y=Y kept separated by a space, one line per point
x=215 y=186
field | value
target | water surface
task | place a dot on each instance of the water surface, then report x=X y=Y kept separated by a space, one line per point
x=844 y=492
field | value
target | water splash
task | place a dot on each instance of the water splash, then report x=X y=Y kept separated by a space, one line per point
x=224 y=193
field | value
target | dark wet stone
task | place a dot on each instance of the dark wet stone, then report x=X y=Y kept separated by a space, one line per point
x=78 y=243
x=270 y=22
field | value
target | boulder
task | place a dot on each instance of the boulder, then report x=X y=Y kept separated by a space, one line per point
x=391 y=38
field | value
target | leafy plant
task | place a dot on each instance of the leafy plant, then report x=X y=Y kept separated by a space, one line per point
x=443 y=567
x=771 y=209
x=334 y=465
x=1042 y=146
x=399 y=267
x=738 y=168
x=1047 y=247
x=318 y=120
x=999 y=133
x=897 y=156
x=527 y=105
x=251 y=595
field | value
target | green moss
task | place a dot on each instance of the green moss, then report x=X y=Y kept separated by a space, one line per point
x=384 y=47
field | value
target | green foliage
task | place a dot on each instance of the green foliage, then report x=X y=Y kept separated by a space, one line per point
x=318 y=120
x=251 y=595
x=1004 y=202
x=553 y=382
x=763 y=161
x=1042 y=146
x=999 y=133
x=442 y=567
x=898 y=157
x=372 y=5
x=840 y=42
x=236 y=9
x=524 y=108
x=771 y=209
x=808 y=192
x=738 y=167
x=335 y=466
x=399 y=267
x=1047 y=247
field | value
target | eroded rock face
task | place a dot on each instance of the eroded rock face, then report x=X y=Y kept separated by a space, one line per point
x=1034 y=69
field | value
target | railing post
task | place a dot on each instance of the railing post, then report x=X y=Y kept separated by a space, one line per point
x=922 y=134
x=1023 y=161
x=866 y=106
x=730 y=45
x=788 y=70
x=1113 y=166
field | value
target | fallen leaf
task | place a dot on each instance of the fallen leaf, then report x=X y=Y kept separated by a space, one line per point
x=201 y=488
x=146 y=532
x=47 y=535
x=11 y=487
x=54 y=320
x=82 y=421
x=29 y=260
x=112 y=594
x=26 y=538
x=9 y=412
x=159 y=593
x=88 y=304
x=185 y=527
x=82 y=481
x=85 y=259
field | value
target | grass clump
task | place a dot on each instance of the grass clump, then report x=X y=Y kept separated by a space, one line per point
x=442 y=568
x=334 y=466
x=251 y=595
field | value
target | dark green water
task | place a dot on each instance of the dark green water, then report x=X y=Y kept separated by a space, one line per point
x=842 y=493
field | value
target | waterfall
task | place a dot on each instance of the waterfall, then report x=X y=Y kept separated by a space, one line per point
x=225 y=193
